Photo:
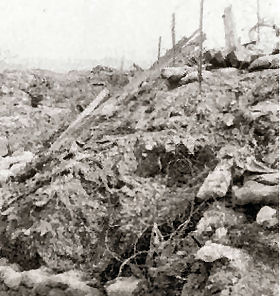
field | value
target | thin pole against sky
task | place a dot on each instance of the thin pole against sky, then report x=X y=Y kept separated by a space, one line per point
x=159 y=47
x=173 y=36
x=258 y=17
x=200 y=45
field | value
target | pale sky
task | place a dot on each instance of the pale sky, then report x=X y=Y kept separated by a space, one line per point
x=94 y=29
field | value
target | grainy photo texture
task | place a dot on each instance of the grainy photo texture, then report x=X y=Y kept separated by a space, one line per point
x=139 y=147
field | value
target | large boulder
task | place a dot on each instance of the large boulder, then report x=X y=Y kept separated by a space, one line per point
x=174 y=74
x=265 y=62
x=255 y=193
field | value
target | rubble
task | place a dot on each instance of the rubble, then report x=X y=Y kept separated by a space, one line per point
x=148 y=155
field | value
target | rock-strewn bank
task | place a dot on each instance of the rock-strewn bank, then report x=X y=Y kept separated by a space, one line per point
x=167 y=192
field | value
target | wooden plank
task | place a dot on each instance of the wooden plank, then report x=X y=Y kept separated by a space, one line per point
x=85 y=116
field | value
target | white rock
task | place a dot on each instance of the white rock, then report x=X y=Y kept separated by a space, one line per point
x=218 y=217
x=217 y=182
x=220 y=233
x=175 y=73
x=34 y=277
x=267 y=216
x=12 y=279
x=5 y=175
x=123 y=286
x=18 y=167
x=72 y=278
x=212 y=252
x=228 y=119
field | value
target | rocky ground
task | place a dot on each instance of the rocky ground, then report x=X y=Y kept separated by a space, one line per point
x=159 y=190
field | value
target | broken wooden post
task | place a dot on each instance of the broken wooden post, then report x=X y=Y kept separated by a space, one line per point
x=200 y=45
x=159 y=47
x=84 y=118
x=230 y=31
x=173 y=37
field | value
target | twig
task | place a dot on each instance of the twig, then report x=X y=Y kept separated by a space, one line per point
x=128 y=259
x=185 y=224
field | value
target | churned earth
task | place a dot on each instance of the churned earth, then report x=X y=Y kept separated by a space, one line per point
x=160 y=190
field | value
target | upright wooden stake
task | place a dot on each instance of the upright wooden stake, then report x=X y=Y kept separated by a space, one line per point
x=258 y=17
x=159 y=47
x=200 y=45
x=173 y=37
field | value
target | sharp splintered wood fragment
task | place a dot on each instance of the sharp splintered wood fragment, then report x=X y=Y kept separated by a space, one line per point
x=83 y=117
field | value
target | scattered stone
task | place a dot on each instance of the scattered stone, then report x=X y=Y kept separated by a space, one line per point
x=174 y=74
x=189 y=78
x=230 y=71
x=217 y=182
x=267 y=216
x=218 y=217
x=228 y=119
x=220 y=234
x=193 y=76
x=262 y=108
x=33 y=277
x=267 y=179
x=254 y=166
x=255 y=193
x=4 y=261
x=73 y=279
x=12 y=279
x=56 y=292
x=212 y=252
x=5 y=175
x=75 y=292
x=265 y=62
x=123 y=286
x=41 y=289
x=93 y=292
